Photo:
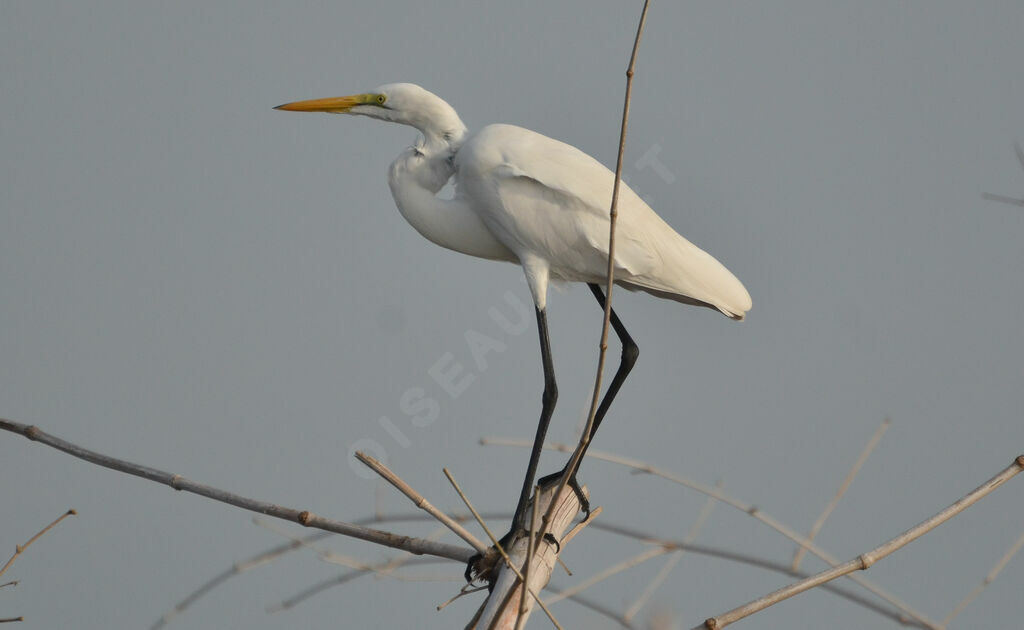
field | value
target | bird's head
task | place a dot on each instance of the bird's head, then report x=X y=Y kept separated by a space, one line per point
x=403 y=103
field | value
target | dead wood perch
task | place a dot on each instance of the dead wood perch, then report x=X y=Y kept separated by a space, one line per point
x=502 y=609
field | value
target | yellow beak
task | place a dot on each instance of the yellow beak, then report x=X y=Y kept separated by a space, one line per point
x=332 y=105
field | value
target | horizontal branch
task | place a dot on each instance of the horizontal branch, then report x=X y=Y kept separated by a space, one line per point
x=414 y=545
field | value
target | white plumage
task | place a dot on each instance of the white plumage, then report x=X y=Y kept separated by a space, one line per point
x=525 y=198
x=548 y=202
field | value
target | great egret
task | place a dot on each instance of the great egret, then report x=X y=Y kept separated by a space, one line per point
x=523 y=197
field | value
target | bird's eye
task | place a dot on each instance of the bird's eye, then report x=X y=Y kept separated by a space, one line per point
x=381 y=98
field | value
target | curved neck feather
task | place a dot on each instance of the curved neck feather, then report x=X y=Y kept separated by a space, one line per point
x=450 y=223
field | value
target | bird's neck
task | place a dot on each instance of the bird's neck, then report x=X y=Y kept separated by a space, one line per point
x=440 y=125
x=444 y=139
x=450 y=223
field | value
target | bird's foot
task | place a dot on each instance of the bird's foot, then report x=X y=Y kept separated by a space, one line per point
x=551 y=480
x=483 y=566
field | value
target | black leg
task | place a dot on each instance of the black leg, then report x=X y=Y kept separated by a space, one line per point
x=548 y=400
x=630 y=352
x=475 y=566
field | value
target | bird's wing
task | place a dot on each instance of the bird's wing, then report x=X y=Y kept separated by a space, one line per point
x=550 y=197
x=543 y=196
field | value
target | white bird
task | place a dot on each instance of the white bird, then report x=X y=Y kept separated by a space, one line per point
x=526 y=198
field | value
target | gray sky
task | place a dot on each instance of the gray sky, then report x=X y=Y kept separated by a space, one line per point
x=191 y=280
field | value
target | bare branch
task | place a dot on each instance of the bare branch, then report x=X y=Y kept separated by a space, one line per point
x=578 y=527
x=615 y=569
x=239 y=567
x=12 y=619
x=593 y=605
x=746 y=508
x=18 y=549
x=760 y=563
x=421 y=502
x=662 y=575
x=865 y=560
x=1010 y=200
x=872 y=443
x=523 y=601
x=504 y=555
x=467 y=589
x=613 y=213
x=999 y=566
x=1003 y=199
x=303 y=517
x=411 y=517
x=348 y=576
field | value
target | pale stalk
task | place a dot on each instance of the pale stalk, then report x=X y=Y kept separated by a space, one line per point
x=303 y=517
x=613 y=212
x=865 y=560
x=662 y=575
x=494 y=541
x=746 y=508
x=1000 y=564
x=818 y=524
x=420 y=501
x=19 y=549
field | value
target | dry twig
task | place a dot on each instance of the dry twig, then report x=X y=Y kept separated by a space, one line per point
x=421 y=502
x=713 y=552
x=613 y=212
x=1001 y=198
x=383 y=568
x=662 y=575
x=504 y=555
x=996 y=569
x=18 y=549
x=865 y=560
x=872 y=443
x=303 y=517
x=746 y=508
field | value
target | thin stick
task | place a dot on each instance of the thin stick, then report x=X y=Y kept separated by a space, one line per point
x=704 y=550
x=613 y=213
x=865 y=560
x=11 y=583
x=338 y=580
x=999 y=566
x=303 y=517
x=521 y=621
x=1013 y=201
x=615 y=569
x=18 y=549
x=872 y=443
x=332 y=557
x=236 y=568
x=746 y=508
x=595 y=606
x=579 y=527
x=421 y=502
x=467 y=589
x=659 y=579
x=12 y=619
x=1001 y=198
x=494 y=541
x=633 y=561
